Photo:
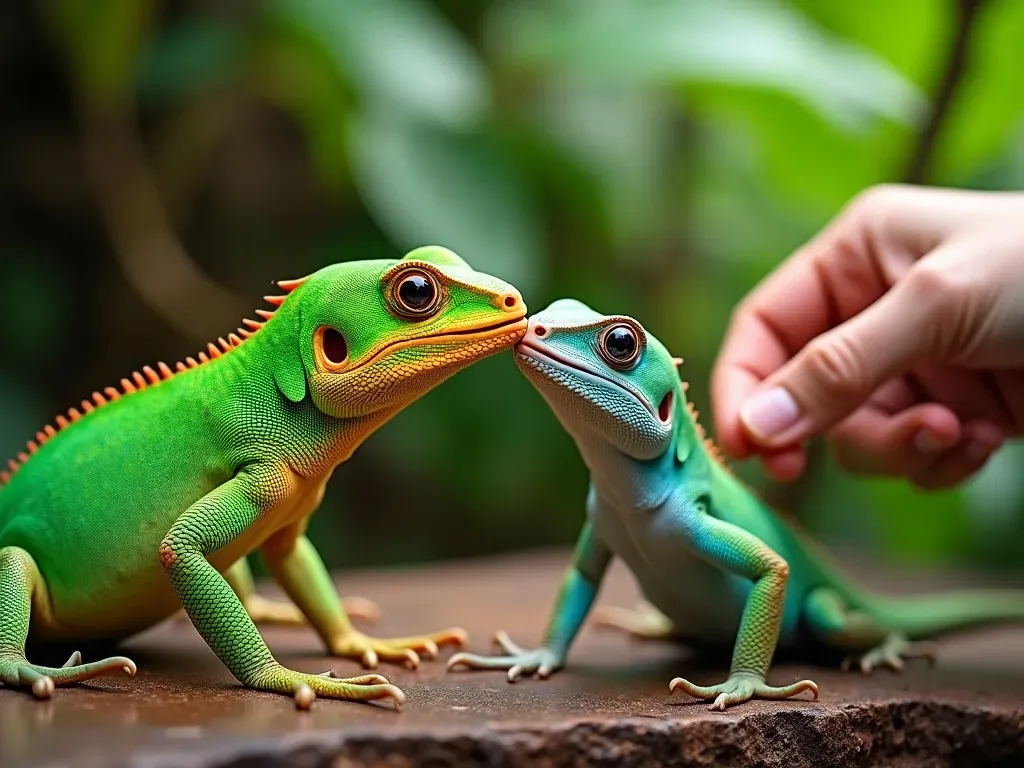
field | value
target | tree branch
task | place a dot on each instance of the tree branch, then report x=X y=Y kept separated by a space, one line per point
x=919 y=167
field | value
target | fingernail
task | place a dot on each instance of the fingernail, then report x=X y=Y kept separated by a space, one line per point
x=927 y=441
x=768 y=413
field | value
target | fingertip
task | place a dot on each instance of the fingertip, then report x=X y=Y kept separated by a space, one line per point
x=786 y=465
x=729 y=389
x=732 y=441
x=933 y=428
x=980 y=439
x=985 y=433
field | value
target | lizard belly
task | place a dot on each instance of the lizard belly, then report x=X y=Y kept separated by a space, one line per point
x=131 y=593
x=704 y=602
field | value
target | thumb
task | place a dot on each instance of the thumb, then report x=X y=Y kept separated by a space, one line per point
x=838 y=371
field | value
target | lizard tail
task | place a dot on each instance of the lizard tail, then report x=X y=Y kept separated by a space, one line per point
x=923 y=616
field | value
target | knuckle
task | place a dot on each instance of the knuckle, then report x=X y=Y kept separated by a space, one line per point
x=741 y=311
x=836 y=365
x=951 y=302
x=936 y=284
x=873 y=209
x=877 y=199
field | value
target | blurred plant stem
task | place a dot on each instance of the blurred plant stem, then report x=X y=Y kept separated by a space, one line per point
x=152 y=257
x=104 y=50
x=919 y=167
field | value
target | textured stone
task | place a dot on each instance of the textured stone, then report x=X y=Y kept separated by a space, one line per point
x=611 y=707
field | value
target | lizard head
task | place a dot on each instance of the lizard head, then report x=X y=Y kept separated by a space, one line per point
x=376 y=335
x=603 y=376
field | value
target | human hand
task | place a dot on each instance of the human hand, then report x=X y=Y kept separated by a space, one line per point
x=898 y=333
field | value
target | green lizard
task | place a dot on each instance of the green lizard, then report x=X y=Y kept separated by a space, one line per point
x=149 y=497
x=717 y=565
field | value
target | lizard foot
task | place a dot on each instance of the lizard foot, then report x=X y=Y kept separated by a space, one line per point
x=305 y=687
x=891 y=653
x=518 y=661
x=405 y=650
x=263 y=610
x=645 y=622
x=739 y=688
x=16 y=671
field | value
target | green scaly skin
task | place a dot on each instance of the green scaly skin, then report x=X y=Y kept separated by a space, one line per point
x=150 y=497
x=716 y=565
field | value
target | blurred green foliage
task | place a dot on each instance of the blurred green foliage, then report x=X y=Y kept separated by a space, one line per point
x=655 y=157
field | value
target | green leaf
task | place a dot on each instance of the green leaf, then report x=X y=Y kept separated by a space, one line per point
x=882 y=26
x=302 y=80
x=426 y=184
x=799 y=155
x=622 y=136
x=673 y=42
x=398 y=54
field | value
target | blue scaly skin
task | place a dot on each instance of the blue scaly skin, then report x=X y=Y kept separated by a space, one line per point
x=716 y=564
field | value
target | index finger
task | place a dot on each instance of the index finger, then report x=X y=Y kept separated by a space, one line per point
x=776 y=320
x=829 y=280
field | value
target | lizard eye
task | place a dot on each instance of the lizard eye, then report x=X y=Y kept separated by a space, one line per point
x=620 y=346
x=416 y=294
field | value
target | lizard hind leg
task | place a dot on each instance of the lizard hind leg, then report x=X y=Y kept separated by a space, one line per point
x=264 y=610
x=870 y=644
x=19 y=581
x=644 y=622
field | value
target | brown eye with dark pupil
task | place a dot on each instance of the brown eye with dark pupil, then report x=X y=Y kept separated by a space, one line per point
x=335 y=347
x=416 y=293
x=620 y=344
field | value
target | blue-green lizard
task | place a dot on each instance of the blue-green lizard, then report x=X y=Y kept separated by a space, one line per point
x=714 y=562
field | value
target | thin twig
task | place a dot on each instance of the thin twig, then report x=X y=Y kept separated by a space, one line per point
x=919 y=168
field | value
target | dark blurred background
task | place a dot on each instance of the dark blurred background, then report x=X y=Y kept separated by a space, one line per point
x=161 y=162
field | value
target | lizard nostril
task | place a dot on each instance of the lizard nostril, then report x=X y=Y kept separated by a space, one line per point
x=540 y=331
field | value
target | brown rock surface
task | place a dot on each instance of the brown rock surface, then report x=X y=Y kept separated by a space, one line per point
x=611 y=707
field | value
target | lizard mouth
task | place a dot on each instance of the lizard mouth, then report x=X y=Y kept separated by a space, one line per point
x=547 y=356
x=513 y=326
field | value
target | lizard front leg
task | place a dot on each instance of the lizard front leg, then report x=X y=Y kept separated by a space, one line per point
x=297 y=567
x=208 y=526
x=575 y=598
x=264 y=610
x=739 y=552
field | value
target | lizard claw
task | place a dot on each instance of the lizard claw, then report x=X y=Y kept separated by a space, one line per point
x=516 y=660
x=406 y=651
x=306 y=688
x=739 y=688
x=890 y=653
x=74 y=661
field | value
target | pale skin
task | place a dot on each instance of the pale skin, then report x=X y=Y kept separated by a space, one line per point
x=897 y=334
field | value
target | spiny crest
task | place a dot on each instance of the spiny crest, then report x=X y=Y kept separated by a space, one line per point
x=149 y=377
x=710 y=447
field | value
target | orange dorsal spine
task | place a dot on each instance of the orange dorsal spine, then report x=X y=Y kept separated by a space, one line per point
x=147 y=378
x=712 y=450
